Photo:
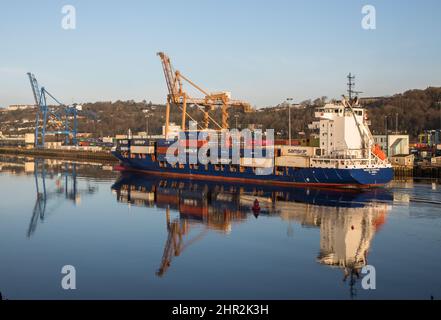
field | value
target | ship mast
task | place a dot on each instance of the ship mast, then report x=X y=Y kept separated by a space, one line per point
x=353 y=101
x=351 y=84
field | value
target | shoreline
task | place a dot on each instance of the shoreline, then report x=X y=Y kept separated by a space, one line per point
x=100 y=156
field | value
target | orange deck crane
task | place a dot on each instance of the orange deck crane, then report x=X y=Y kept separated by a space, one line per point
x=177 y=95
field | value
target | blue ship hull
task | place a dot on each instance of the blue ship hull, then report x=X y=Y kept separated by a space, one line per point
x=350 y=177
x=329 y=197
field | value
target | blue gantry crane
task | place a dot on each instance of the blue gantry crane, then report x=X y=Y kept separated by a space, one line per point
x=59 y=117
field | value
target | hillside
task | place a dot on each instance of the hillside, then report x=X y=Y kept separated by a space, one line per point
x=417 y=110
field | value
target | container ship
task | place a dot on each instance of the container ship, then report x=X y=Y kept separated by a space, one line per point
x=345 y=155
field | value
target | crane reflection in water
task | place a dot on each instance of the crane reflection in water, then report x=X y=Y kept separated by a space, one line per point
x=348 y=219
x=55 y=182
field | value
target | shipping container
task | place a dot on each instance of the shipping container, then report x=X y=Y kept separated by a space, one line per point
x=285 y=142
x=256 y=162
x=297 y=151
x=257 y=152
x=192 y=143
x=165 y=143
x=161 y=150
x=124 y=142
x=258 y=143
x=123 y=148
x=140 y=142
x=142 y=149
x=292 y=161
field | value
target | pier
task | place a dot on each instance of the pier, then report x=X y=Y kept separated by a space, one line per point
x=101 y=156
x=427 y=171
x=417 y=171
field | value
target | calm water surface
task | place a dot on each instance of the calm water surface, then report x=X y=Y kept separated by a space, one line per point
x=139 y=237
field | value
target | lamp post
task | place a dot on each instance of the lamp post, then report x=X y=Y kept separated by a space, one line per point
x=288 y=100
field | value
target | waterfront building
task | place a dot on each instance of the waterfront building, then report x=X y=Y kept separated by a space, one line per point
x=393 y=144
x=430 y=137
x=402 y=160
x=15 y=107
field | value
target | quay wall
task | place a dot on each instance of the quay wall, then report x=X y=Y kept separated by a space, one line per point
x=64 y=154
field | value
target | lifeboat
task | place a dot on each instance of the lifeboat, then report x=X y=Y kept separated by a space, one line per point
x=376 y=149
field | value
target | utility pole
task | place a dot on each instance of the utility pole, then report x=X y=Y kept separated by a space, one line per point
x=288 y=100
x=396 y=123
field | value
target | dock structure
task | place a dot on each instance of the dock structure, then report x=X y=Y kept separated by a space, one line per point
x=102 y=156
x=403 y=171
x=417 y=171
x=427 y=171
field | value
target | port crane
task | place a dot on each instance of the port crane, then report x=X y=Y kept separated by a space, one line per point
x=50 y=116
x=178 y=96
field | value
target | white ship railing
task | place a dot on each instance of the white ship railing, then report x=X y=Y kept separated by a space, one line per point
x=346 y=163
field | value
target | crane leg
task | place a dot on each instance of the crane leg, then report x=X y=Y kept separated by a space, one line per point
x=44 y=128
x=184 y=112
x=224 y=116
x=206 y=118
x=167 y=117
x=37 y=123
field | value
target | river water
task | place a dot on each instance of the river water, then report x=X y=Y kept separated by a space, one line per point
x=132 y=236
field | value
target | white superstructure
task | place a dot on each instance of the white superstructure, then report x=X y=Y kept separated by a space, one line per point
x=345 y=138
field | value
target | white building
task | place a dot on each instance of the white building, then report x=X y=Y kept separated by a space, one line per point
x=14 y=107
x=393 y=144
x=403 y=160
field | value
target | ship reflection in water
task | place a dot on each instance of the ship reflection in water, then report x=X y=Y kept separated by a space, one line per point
x=133 y=236
x=348 y=219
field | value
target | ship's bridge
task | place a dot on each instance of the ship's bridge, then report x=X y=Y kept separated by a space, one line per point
x=342 y=130
x=331 y=111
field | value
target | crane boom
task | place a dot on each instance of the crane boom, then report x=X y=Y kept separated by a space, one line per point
x=35 y=88
x=170 y=77
x=178 y=96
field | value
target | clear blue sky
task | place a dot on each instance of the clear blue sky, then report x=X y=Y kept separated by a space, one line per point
x=262 y=51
